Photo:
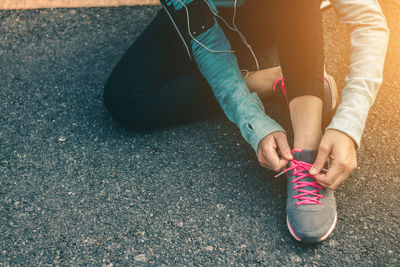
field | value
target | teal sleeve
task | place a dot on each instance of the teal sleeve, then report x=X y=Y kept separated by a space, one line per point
x=243 y=108
x=222 y=72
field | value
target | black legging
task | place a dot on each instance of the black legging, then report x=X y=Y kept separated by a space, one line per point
x=155 y=84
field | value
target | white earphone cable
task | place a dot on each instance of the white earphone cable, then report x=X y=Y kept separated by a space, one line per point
x=194 y=39
x=242 y=36
x=235 y=29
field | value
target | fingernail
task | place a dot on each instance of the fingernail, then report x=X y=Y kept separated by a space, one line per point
x=289 y=156
x=313 y=170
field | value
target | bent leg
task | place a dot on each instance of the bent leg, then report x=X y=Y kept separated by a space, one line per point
x=301 y=53
x=155 y=84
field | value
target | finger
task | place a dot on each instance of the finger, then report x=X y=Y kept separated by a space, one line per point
x=283 y=146
x=264 y=164
x=334 y=179
x=321 y=178
x=327 y=180
x=332 y=185
x=282 y=164
x=272 y=158
x=322 y=157
x=262 y=159
x=340 y=179
x=277 y=167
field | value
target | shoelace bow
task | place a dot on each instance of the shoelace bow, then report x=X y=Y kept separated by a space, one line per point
x=301 y=170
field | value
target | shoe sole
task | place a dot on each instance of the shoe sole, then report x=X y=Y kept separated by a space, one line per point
x=311 y=239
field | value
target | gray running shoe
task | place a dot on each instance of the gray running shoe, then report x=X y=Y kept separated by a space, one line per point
x=310 y=209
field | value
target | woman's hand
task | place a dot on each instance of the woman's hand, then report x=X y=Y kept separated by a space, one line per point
x=341 y=149
x=274 y=152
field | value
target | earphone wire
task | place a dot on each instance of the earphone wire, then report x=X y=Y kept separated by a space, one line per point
x=194 y=39
x=242 y=35
x=235 y=29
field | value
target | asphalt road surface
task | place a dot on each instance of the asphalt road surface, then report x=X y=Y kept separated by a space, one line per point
x=77 y=189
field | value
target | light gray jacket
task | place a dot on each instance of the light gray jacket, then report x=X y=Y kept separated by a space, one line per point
x=369 y=37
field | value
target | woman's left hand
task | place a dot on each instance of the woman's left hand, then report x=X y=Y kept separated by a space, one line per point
x=341 y=149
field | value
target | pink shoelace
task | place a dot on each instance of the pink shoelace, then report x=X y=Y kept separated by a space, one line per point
x=301 y=170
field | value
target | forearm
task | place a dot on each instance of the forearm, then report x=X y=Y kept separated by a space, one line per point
x=221 y=71
x=243 y=108
x=369 y=37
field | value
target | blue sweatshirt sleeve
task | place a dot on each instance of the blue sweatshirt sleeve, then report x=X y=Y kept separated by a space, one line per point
x=222 y=72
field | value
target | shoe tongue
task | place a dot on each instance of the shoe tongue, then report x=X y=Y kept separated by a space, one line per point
x=305 y=155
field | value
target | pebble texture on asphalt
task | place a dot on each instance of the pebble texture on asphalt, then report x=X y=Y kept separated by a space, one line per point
x=75 y=188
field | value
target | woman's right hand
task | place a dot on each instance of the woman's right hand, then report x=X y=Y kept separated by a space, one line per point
x=274 y=152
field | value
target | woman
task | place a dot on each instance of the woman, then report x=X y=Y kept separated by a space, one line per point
x=183 y=68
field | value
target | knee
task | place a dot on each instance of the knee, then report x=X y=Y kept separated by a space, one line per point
x=116 y=104
x=111 y=99
x=126 y=110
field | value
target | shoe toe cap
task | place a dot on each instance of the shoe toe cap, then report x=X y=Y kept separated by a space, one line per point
x=312 y=225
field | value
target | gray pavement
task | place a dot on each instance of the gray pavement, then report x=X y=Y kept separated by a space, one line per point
x=76 y=189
